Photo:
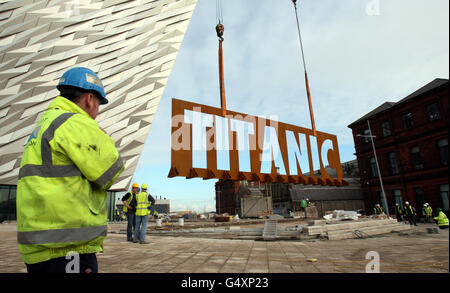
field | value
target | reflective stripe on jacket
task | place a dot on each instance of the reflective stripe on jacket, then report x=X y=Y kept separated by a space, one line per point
x=378 y=211
x=442 y=219
x=142 y=204
x=409 y=210
x=125 y=209
x=66 y=168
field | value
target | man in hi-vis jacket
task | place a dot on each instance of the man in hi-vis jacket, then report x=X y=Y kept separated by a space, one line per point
x=68 y=164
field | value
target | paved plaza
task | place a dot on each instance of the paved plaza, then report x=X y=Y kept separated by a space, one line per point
x=412 y=252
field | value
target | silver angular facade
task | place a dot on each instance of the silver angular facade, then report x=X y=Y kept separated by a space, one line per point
x=132 y=45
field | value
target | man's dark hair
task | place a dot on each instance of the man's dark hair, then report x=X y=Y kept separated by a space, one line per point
x=74 y=93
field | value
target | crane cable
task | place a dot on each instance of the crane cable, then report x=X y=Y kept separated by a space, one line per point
x=306 y=74
x=219 y=19
x=219 y=13
x=219 y=30
x=299 y=33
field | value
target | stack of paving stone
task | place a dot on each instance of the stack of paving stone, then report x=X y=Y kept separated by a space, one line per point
x=270 y=230
x=354 y=229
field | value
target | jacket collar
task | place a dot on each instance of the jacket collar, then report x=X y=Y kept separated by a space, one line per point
x=65 y=104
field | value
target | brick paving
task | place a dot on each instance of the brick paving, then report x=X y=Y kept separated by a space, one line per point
x=416 y=252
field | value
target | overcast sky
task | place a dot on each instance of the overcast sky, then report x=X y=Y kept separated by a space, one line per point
x=359 y=54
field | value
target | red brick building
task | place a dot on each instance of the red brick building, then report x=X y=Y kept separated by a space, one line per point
x=226 y=192
x=411 y=146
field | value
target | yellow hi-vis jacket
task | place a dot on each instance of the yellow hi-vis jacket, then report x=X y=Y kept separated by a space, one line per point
x=142 y=204
x=66 y=168
x=125 y=209
x=442 y=219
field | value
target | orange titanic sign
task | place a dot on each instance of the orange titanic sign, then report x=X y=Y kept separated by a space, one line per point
x=207 y=145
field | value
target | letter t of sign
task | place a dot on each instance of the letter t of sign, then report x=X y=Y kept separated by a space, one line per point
x=240 y=128
x=199 y=123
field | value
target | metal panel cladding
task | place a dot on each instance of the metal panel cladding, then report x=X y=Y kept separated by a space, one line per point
x=132 y=45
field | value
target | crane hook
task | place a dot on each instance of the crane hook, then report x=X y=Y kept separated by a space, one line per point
x=219 y=29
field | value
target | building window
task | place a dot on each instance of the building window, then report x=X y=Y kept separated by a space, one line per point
x=386 y=128
x=407 y=120
x=373 y=167
x=444 y=195
x=393 y=163
x=433 y=112
x=366 y=133
x=419 y=198
x=443 y=151
x=398 y=197
x=416 y=158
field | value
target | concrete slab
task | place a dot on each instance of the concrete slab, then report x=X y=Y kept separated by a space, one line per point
x=317 y=223
x=366 y=231
x=346 y=225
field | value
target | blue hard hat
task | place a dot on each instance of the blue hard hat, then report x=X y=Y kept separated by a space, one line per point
x=83 y=78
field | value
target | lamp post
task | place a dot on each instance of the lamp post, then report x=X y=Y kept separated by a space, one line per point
x=378 y=167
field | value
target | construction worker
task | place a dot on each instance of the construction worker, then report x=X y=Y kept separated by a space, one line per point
x=144 y=200
x=441 y=219
x=399 y=212
x=410 y=213
x=68 y=164
x=304 y=204
x=308 y=202
x=423 y=212
x=129 y=208
x=151 y=207
x=378 y=210
x=427 y=213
